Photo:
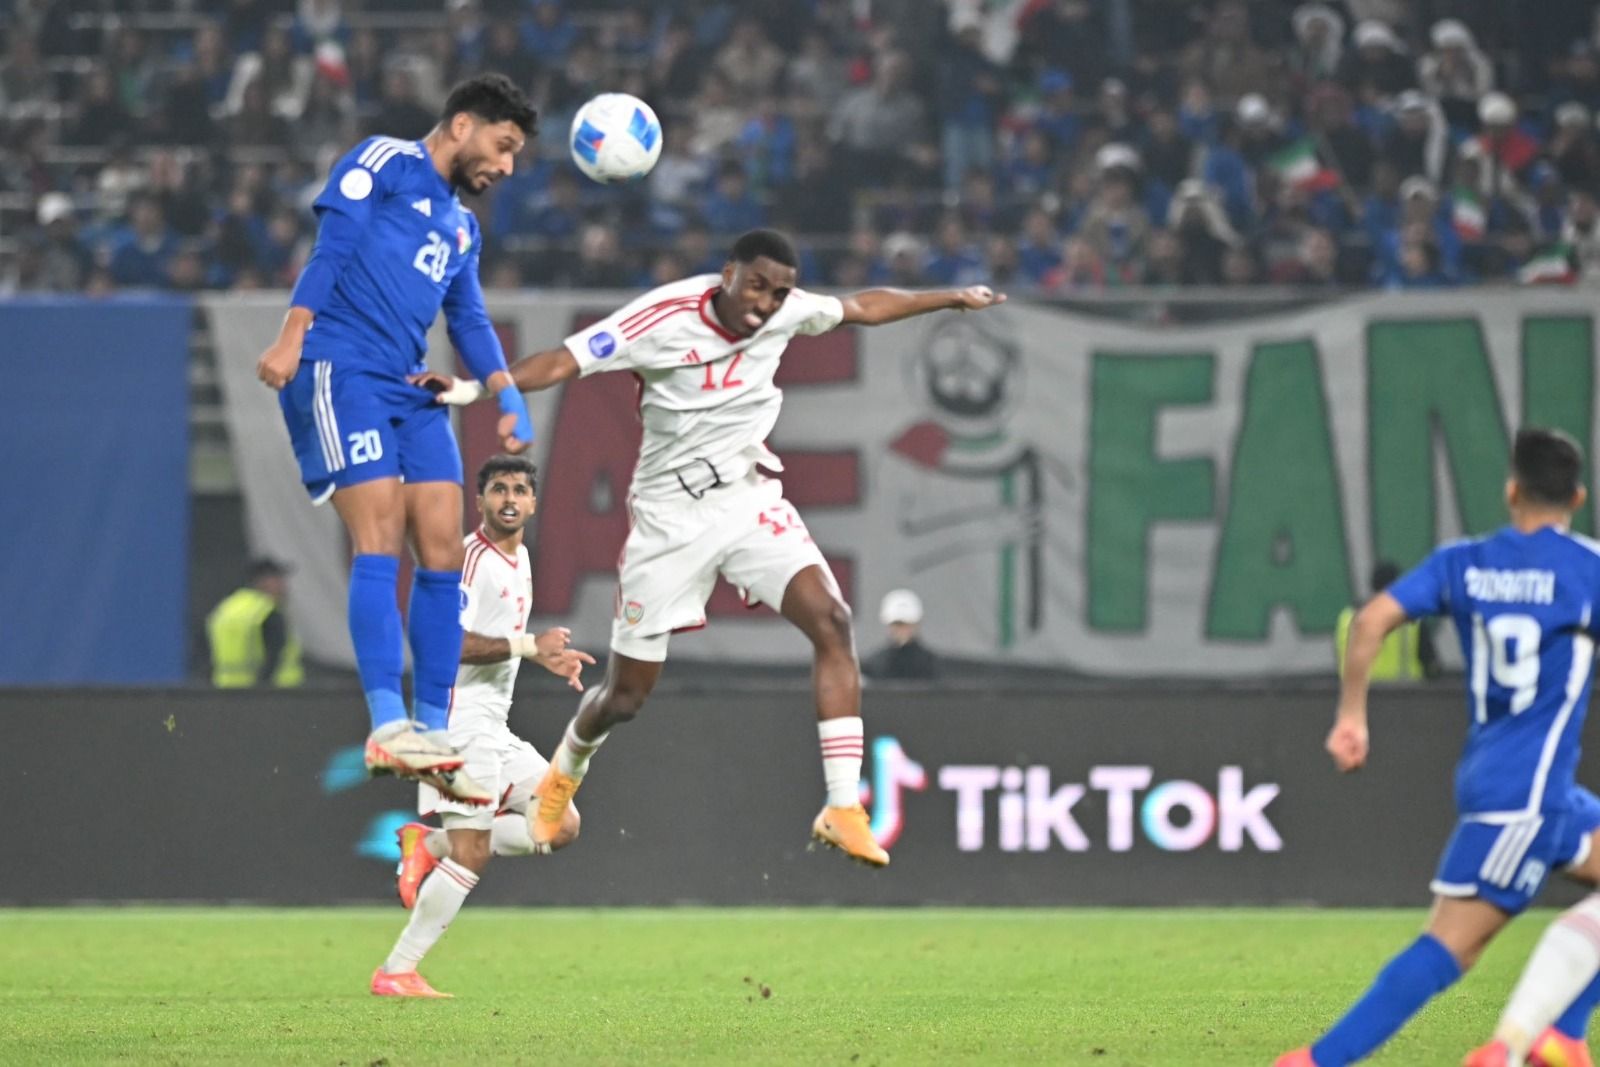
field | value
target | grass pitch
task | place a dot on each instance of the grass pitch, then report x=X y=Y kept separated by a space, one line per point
x=849 y=987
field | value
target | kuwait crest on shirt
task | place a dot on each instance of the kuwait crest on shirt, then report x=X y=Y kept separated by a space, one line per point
x=463 y=241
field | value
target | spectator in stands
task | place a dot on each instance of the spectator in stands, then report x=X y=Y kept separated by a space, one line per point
x=718 y=117
x=1418 y=142
x=1163 y=261
x=1058 y=117
x=1378 y=67
x=1039 y=250
x=905 y=255
x=956 y=259
x=318 y=22
x=730 y=208
x=364 y=59
x=1115 y=225
x=1203 y=231
x=820 y=198
x=213 y=63
x=255 y=125
x=1577 y=75
x=1573 y=146
x=969 y=101
x=26 y=85
x=1507 y=149
x=816 y=77
x=400 y=112
x=558 y=212
x=329 y=116
x=249 y=638
x=283 y=75
x=1422 y=222
x=904 y=657
x=599 y=264
x=881 y=127
x=1081 y=267
x=184 y=113
x=1455 y=72
x=1341 y=144
x=751 y=63
x=1168 y=156
x=1408 y=653
x=1317 y=262
x=183 y=201
x=102 y=117
x=133 y=69
x=141 y=254
x=1240 y=266
x=63 y=261
x=1581 y=234
x=504 y=51
x=767 y=145
x=676 y=62
x=1226 y=57
x=1064 y=35
x=550 y=34
x=1318 y=50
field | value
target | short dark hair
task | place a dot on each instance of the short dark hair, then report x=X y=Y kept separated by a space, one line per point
x=492 y=98
x=770 y=243
x=505 y=463
x=1548 y=465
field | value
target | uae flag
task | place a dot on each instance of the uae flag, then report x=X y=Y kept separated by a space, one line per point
x=1555 y=265
x=1467 y=214
x=1296 y=164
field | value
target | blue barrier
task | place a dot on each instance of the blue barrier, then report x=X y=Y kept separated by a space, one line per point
x=94 y=500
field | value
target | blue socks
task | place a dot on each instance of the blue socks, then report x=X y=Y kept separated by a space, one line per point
x=1574 y=1022
x=375 y=632
x=435 y=627
x=1408 y=982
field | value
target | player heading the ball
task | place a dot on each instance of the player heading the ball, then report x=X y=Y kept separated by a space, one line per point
x=706 y=350
x=396 y=245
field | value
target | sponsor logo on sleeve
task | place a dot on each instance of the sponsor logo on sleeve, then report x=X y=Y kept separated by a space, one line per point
x=602 y=345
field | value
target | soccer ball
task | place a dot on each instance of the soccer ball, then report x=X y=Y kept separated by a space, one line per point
x=615 y=138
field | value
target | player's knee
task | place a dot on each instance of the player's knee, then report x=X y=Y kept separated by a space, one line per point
x=835 y=626
x=623 y=701
x=472 y=851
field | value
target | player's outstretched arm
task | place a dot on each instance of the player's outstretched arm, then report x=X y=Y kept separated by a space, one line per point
x=874 y=307
x=530 y=374
x=1347 y=741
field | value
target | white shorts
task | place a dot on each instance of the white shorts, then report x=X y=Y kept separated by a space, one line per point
x=747 y=532
x=496 y=759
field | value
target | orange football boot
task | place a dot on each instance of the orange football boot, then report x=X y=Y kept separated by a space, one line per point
x=1494 y=1054
x=415 y=861
x=1555 y=1049
x=850 y=831
x=405 y=984
x=555 y=792
x=1300 y=1057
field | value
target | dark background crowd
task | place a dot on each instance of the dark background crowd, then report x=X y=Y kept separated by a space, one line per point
x=1051 y=146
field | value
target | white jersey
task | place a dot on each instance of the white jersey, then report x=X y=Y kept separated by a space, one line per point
x=707 y=397
x=499 y=596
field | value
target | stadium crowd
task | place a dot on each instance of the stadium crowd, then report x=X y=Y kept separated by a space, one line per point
x=1051 y=146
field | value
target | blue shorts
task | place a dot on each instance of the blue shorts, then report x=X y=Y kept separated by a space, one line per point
x=351 y=425
x=1507 y=863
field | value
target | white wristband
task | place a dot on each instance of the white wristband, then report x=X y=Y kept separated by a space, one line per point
x=462 y=391
x=524 y=645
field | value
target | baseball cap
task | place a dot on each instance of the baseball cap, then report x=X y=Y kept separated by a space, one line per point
x=1417 y=185
x=54 y=206
x=900 y=605
x=1496 y=109
x=1451 y=33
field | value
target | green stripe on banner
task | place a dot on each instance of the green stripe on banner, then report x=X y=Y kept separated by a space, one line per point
x=1558 y=387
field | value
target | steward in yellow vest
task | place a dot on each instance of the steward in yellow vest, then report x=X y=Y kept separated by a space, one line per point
x=1407 y=654
x=249 y=638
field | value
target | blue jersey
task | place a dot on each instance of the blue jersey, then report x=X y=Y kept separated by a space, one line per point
x=1524 y=607
x=417 y=251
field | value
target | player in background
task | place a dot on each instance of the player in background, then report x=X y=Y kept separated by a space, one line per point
x=705 y=350
x=1524 y=601
x=395 y=245
x=438 y=868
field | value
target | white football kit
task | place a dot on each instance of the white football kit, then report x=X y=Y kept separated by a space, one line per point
x=699 y=506
x=499 y=596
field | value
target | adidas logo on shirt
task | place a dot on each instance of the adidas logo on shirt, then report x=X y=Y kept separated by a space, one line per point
x=424 y=205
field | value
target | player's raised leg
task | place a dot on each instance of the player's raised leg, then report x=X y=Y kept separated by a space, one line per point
x=375 y=518
x=617 y=699
x=812 y=602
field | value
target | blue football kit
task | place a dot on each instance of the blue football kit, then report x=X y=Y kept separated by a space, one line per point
x=400 y=246
x=1524 y=607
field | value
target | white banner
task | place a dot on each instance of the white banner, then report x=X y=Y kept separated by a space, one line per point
x=1062 y=491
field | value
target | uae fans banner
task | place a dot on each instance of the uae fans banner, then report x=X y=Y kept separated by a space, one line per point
x=1062 y=491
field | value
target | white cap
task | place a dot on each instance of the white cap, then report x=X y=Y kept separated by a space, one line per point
x=53 y=206
x=901 y=243
x=1306 y=14
x=1418 y=185
x=1252 y=109
x=900 y=605
x=1572 y=113
x=1116 y=154
x=1411 y=100
x=1451 y=33
x=1496 y=109
x=1371 y=31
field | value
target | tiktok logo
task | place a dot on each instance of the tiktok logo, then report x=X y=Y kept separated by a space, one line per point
x=892 y=773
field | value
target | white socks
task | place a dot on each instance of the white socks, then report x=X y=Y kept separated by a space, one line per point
x=842 y=747
x=572 y=754
x=442 y=894
x=1563 y=964
x=508 y=837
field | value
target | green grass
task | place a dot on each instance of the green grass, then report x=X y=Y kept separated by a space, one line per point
x=848 y=987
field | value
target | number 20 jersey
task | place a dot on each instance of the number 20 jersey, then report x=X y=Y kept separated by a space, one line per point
x=1524 y=605
x=416 y=239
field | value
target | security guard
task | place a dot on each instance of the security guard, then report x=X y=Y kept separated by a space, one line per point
x=1407 y=654
x=250 y=640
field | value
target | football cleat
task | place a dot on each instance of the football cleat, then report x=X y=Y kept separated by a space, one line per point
x=404 y=984
x=458 y=786
x=408 y=754
x=415 y=861
x=1300 y=1057
x=1555 y=1049
x=555 y=792
x=1494 y=1054
x=850 y=831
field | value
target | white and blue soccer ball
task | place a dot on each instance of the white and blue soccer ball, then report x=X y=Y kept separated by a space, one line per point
x=615 y=138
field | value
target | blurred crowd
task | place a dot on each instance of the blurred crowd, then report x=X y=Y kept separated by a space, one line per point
x=1051 y=146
